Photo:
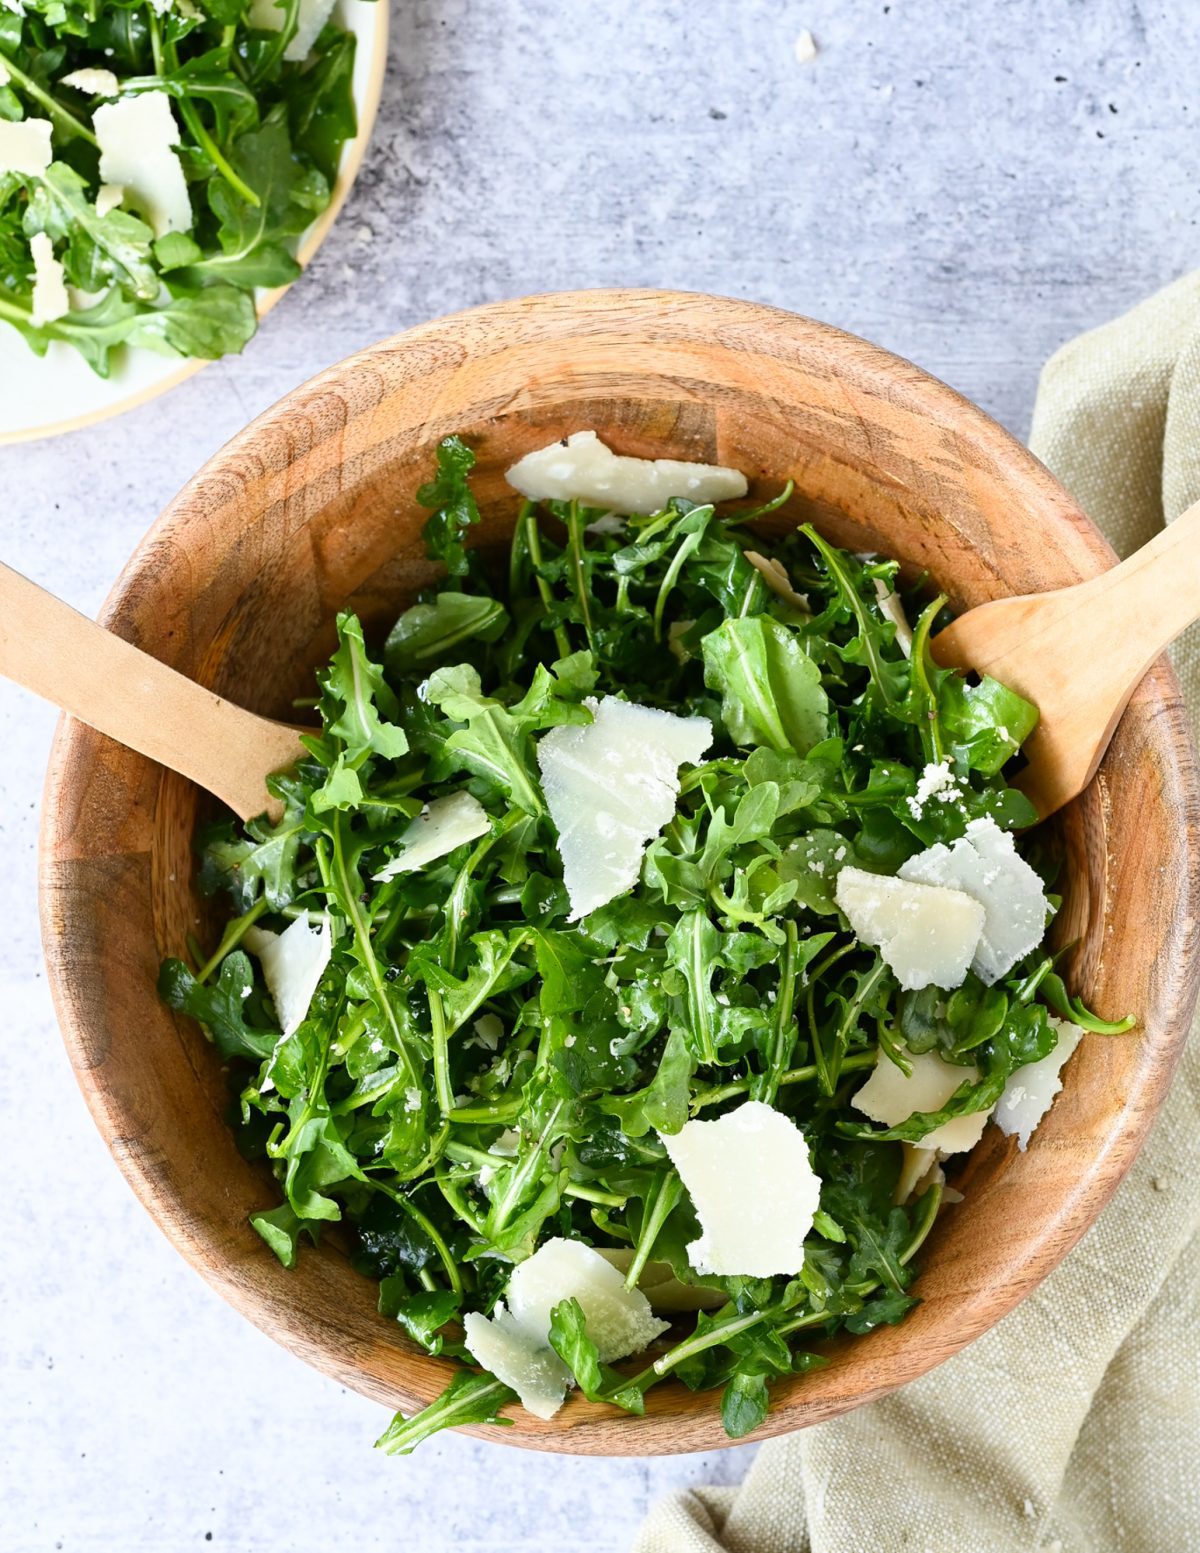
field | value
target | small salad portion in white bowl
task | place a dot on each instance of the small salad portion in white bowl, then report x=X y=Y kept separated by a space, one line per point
x=165 y=171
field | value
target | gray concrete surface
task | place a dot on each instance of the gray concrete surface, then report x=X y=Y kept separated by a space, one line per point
x=968 y=185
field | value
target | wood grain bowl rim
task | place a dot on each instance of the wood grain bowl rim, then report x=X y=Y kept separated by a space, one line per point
x=578 y=1427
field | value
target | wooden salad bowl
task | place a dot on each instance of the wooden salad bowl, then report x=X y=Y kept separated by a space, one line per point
x=312 y=509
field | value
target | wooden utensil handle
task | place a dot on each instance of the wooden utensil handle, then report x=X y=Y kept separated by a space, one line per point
x=1098 y=637
x=51 y=649
x=1145 y=602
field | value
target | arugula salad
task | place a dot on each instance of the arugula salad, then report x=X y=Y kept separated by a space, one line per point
x=643 y=929
x=158 y=161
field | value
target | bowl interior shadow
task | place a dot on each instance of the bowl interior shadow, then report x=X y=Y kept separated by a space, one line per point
x=312 y=509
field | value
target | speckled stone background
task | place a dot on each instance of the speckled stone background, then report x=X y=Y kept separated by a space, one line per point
x=966 y=184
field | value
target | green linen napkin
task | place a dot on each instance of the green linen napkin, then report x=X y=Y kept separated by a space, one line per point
x=1074 y=1425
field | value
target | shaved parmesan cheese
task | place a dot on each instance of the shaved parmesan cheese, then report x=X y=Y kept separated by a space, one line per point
x=1030 y=1091
x=110 y=196
x=619 y=1320
x=754 y=1190
x=514 y=1343
x=50 y=299
x=890 y=1098
x=506 y=1146
x=269 y=16
x=608 y=523
x=137 y=136
x=97 y=83
x=488 y=1031
x=529 y=1365
x=918 y=1168
x=926 y=934
x=775 y=574
x=5 y=78
x=582 y=468
x=25 y=146
x=891 y=607
x=611 y=787
x=441 y=826
x=293 y=963
x=985 y=864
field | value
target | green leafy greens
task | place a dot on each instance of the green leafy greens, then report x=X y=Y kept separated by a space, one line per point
x=260 y=138
x=476 y=1073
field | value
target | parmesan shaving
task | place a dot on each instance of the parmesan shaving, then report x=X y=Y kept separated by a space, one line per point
x=891 y=1097
x=891 y=607
x=441 y=826
x=293 y=963
x=1030 y=1091
x=514 y=1343
x=137 y=137
x=611 y=787
x=25 y=146
x=50 y=299
x=985 y=864
x=269 y=16
x=582 y=468
x=926 y=934
x=775 y=574
x=753 y=1187
x=96 y=83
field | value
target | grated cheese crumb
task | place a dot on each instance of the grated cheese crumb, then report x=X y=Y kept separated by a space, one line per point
x=806 y=48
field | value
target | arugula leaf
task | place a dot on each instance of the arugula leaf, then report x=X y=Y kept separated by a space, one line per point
x=454 y=506
x=771 y=690
x=598 y=1382
x=356 y=705
x=221 y=1008
x=425 y=1314
x=281 y=1228
x=429 y=632
x=663 y=1103
x=744 y=1404
x=1056 y=995
x=494 y=742
x=984 y=724
x=263 y=862
x=103 y=250
x=468 y=1399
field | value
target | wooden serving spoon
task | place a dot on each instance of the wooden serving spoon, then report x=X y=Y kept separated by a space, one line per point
x=106 y=682
x=1079 y=653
